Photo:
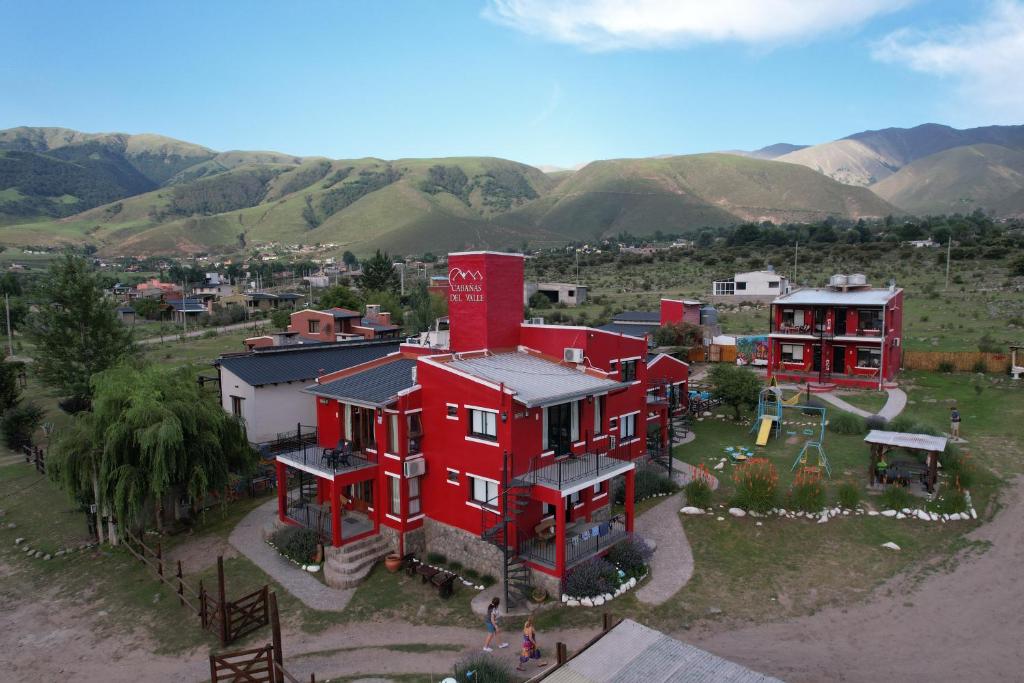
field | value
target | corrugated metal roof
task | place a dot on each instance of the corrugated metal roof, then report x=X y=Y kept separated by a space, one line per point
x=535 y=381
x=343 y=313
x=922 y=442
x=302 y=363
x=856 y=297
x=634 y=653
x=376 y=386
x=630 y=329
x=638 y=317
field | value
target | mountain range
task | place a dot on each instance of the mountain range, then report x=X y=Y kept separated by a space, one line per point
x=148 y=194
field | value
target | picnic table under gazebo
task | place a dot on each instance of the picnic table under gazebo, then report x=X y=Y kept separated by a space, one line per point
x=882 y=442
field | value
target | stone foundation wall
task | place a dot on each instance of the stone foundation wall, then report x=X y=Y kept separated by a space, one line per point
x=416 y=541
x=390 y=536
x=469 y=549
x=550 y=583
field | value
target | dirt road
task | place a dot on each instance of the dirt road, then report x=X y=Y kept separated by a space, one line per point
x=963 y=625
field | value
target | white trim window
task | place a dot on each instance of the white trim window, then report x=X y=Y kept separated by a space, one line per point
x=483 y=424
x=393 y=433
x=628 y=370
x=627 y=426
x=414 y=496
x=792 y=353
x=869 y=357
x=483 y=491
x=598 y=415
x=395 y=496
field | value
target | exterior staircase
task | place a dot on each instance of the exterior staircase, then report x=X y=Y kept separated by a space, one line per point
x=513 y=498
x=346 y=566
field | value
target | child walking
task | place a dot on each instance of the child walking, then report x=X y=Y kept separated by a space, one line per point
x=530 y=649
x=492 y=625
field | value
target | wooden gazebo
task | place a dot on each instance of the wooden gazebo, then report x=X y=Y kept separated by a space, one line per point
x=882 y=442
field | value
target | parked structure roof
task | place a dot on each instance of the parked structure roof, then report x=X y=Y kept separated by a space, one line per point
x=375 y=386
x=188 y=306
x=827 y=297
x=920 y=442
x=630 y=329
x=534 y=381
x=633 y=653
x=276 y=365
x=637 y=317
x=339 y=313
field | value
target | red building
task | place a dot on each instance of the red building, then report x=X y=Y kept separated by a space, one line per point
x=847 y=334
x=339 y=324
x=501 y=452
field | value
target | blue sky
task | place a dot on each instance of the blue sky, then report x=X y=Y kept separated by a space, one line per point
x=553 y=82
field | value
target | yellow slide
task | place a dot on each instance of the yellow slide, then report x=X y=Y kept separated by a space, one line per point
x=766 y=429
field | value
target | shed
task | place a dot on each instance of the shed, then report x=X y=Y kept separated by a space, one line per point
x=882 y=442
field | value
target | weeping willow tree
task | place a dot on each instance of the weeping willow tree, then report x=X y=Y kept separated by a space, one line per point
x=74 y=463
x=152 y=432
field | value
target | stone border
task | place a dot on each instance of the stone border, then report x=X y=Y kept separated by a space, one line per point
x=599 y=600
x=40 y=555
x=465 y=581
x=311 y=568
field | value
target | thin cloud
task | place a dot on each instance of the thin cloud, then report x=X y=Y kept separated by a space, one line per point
x=602 y=25
x=984 y=58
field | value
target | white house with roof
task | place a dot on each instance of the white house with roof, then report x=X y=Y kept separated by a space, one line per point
x=752 y=286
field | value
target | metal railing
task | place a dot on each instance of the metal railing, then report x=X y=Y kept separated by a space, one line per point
x=329 y=460
x=301 y=436
x=595 y=538
x=574 y=468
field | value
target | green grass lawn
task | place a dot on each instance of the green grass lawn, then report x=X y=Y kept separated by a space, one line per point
x=871 y=401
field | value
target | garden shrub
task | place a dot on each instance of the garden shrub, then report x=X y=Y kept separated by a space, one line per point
x=480 y=667
x=952 y=500
x=896 y=498
x=848 y=495
x=594 y=577
x=980 y=366
x=957 y=466
x=631 y=556
x=698 y=493
x=455 y=566
x=875 y=422
x=296 y=543
x=19 y=423
x=756 y=485
x=471 y=574
x=907 y=425
x=846 y=423
x=487 y=580
x=436 y=558
x=808 y=491
x=944 y=366
x=649 y=482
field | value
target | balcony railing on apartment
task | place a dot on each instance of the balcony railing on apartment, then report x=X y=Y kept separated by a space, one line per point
x=303 y=435
x=591 y=538
x=330 y=461
x=572 y=469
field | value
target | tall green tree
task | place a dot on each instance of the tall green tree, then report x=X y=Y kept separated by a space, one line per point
x=735 y=386
x=76 y=331
x=340 y=296
x=10 y=388
x=152 y=432
x=426 y=307
x=379 y=274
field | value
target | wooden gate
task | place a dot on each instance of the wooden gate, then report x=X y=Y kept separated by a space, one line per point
x=244 y=666
x=230 y=620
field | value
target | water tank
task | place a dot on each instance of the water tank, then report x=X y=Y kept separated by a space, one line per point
x=837 y=281
x=770 y=268
x=857 y=280
x=708 y=315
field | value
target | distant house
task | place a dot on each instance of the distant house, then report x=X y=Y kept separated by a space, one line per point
x=644 y=323
x=556 y=292
x=919 y=244
x=756 y=285
x=125 y=314
x=264 y=387
x=186 y=309
x=340 y=324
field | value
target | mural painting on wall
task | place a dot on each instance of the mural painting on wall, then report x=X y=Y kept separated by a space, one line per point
x=752 y=350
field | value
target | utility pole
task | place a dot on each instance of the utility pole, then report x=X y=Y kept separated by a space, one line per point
x=10 y=336
x=184 y=311
x=949 y=249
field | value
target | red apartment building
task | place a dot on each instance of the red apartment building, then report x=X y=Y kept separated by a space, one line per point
x=500 y=452
x=339 y=324
x=847 y=334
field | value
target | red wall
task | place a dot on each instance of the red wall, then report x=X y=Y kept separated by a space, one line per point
x=300 y=323
x=485 y=300
x=674 y=311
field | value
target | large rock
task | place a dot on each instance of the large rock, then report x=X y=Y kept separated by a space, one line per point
x=890 y=545
x=572 y=602
x=598 y=601
x=889 y=513
x=737 y=512
x=587 y=602
x=873 y=513
x=900 y=515
x=923 y=516
x=691 y=510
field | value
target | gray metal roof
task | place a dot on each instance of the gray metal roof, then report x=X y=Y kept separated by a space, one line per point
x=535 y=381
x=630 y=329
x=376 y=386
x=634 y=653
x=921 y=442
x=277 y=365
x=856 y=297
x=638 y=317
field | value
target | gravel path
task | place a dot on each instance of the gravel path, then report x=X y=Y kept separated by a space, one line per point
x=894 y=405
x=672 y=563
x=247 y=538
x=964 y=625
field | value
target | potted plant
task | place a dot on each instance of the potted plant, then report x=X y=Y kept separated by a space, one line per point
x=538 y=595
x=393 y=562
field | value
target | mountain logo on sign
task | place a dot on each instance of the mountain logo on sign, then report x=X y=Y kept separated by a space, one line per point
x=464 y=274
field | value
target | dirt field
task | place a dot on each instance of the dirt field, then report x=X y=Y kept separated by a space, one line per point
x=961 y=625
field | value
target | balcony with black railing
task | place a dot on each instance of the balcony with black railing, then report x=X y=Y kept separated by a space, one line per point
x=583 y=540
x=327 y=462
x=574 y=471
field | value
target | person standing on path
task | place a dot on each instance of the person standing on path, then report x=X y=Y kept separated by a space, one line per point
x=530 y=649
x=954 y=422
x=492 y=625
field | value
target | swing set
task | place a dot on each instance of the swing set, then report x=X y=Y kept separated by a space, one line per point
x=769 y=422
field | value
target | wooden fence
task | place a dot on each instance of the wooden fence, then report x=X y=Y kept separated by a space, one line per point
x=228 y=620
x=35 y=456
x=257 y=665
x=960 y=361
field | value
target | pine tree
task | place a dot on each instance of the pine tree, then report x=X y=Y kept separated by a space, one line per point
x=379 y=274
x=76 y=331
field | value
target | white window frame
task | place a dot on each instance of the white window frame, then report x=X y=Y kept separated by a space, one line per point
x=796 y=353
x=447 y=410
x=489 y=485
x=875 y=352
x=487 y=420
x=393 y=444
x=598 y=416
x=449 y=477
x=627 y=426
x=414 y=496
x=394 y=494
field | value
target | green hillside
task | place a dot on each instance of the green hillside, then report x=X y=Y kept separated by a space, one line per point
x=685 y=192
x=961 y=179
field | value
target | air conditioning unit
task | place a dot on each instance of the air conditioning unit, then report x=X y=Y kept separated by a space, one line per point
x=536 y=321
x=414 y=468
x=571 y=355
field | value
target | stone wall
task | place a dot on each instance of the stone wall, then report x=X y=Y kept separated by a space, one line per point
x=461 y=546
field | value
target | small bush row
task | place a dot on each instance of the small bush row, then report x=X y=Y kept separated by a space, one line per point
x=296 y=543
x=455 y=566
